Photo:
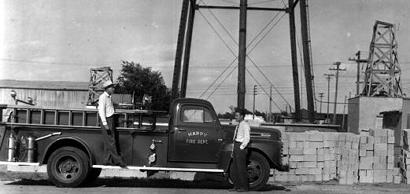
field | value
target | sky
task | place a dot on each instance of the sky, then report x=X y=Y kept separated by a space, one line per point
x=61 y=40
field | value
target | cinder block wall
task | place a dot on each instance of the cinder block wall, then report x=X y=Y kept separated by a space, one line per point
x=346 y=157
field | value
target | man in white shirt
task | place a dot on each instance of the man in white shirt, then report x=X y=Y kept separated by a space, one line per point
x=240 y=151
x=107 y=117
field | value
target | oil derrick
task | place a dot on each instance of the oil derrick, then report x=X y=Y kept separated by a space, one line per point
x=382 y=74
x=97 y=77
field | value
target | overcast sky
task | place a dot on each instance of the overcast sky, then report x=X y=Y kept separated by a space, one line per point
x=62 y=40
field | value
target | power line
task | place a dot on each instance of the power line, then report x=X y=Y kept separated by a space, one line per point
x=263 y=89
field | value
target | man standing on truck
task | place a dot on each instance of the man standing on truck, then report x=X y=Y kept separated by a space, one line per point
x=240 y=151
x=108 y=120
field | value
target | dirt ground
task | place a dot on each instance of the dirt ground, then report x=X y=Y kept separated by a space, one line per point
x=16 y=182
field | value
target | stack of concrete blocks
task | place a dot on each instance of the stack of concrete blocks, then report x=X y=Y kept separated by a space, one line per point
x=347 y=158
x=376 y=157
x=405 y=158
x=311 y=156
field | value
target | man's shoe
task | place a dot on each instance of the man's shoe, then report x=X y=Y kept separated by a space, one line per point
x=242 y=190
x=122 y=165
x=233 y=189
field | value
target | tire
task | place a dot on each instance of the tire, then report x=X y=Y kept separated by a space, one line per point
x=68 y=167
x=93 y=175
x=258 y=171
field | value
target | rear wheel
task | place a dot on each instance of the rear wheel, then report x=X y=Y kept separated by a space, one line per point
x=258 y=171
x=68 y=167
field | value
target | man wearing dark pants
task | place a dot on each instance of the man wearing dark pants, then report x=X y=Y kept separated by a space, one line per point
x=108 y=124
x=240 y=151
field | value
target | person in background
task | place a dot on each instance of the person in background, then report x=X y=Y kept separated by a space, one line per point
x=240 y=151
x=107 y=116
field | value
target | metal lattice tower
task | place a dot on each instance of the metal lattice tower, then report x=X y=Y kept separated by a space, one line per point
x=382 y=75
x=97 y=77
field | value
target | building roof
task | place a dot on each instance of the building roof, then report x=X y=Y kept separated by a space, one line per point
x=50 y=85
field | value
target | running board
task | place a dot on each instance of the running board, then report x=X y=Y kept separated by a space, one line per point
x=128 y=167
x=159 y=168
x=20 y=163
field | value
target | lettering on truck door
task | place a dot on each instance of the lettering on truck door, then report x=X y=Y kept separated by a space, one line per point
x=196 y=137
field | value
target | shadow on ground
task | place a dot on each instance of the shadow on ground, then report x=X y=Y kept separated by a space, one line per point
x=151 y=183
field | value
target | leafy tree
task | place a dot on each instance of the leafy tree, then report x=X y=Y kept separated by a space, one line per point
x=138 y=80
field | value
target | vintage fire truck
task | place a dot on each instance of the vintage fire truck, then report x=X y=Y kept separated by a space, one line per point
x=188 y=138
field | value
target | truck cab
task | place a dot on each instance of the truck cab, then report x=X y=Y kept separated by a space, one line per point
x=188 y=138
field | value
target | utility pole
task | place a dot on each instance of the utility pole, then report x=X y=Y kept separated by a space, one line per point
x=293 y=45
x=337 y=69
x=321 y=97
x=254 y=94
x=180 y=47
x=242 y=54
x=358 y=61
x=328 y=77
x=307 y=59
x=270 y=104
x=187 y=52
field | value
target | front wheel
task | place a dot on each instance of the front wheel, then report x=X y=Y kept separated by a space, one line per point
x=68 y=167
x=258 y=171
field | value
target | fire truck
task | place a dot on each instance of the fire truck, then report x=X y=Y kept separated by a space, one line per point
x=187 y=138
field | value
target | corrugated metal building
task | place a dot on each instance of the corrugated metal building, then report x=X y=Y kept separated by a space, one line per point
x=53 y=94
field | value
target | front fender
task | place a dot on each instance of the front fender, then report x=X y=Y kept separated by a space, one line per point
x=271 y=149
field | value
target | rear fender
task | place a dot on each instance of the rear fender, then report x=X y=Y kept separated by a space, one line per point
x=67 y=141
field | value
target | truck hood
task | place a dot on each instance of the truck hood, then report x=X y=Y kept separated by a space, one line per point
x=256 y=132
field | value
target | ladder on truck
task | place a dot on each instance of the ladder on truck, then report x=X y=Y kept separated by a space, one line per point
x=29 y=115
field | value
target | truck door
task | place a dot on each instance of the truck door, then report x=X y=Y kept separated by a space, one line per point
x=196 y=135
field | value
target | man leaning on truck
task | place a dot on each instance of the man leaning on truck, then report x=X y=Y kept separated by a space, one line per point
x=240 y=151
x=106 y=112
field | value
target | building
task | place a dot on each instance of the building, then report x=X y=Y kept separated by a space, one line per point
x=51 y=94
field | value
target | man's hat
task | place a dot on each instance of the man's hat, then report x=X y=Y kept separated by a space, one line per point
x=107 y=84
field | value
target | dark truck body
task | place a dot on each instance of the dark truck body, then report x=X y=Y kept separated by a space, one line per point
x=189 y=138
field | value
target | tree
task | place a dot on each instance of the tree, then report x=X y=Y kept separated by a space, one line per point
x=137 y=81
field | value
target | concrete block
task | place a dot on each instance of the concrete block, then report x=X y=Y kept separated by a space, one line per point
x=380 y=149
x=390 y=138
x=397 y=179
x=366 y=163
x=300 y=144
x=296 y=158
x=292 y=144
x=331 y=136
x=390 y=149
x=315 y=171
x=293 y=165
x=320 y=164
x=309 y=150
x=318 y=178
x=380 y=176
x=362 y=151
x=366 y=176
x=329 y=144
x=300 y=136
x=390 y=165
x=296 y=151
x=380 y=162
x=369 y=153
x=363 y=139
x=330 y=164
x=309 y=164
x=370 y=143
x=315 y=136
x=310 y=157
x=378 y=132
x=182 y=175
x=300 y=171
